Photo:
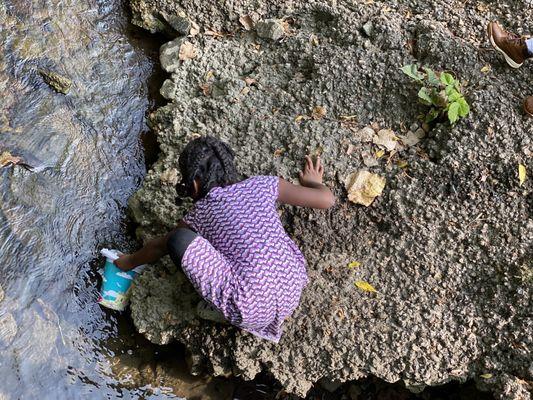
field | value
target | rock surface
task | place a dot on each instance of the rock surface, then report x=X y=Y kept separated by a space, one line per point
x=447 y=245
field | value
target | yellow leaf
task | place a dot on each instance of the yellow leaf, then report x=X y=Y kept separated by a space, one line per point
x=380 y=153
x=6 y=159
x=299 y=118
x=402 y=163
x=354 y=264
x=521 y=174
x=486 y=69
x=367 y=287
x=486 y=376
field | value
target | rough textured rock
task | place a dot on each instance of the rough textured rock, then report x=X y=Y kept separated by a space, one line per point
x=448 y=243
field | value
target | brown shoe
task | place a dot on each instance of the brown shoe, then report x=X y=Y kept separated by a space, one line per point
x=528 y=106
x=513 y=47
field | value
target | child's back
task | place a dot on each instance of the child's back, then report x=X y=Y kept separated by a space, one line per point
x=244 y=262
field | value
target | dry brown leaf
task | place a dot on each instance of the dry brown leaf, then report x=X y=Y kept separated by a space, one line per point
x=250 y=81
x=187 y=51
x=363 y=187
x=386 y=138
x=206 y=89
x=247 y=22
x=278 y=152
x=210 y=32
x=318 y=112
x=195 y=29
x=6 y=158
x=299 y=118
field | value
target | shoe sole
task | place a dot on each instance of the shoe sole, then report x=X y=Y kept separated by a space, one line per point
x=510 y=61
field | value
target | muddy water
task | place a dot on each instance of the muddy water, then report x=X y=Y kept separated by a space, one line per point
x=55 y=341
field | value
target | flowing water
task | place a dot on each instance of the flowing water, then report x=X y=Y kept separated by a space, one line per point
x=55 y=341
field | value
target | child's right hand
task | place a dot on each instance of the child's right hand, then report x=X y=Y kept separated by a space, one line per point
x=312 y=173
x=125 y=262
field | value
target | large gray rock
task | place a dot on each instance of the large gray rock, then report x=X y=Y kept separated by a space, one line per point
x=447 y=243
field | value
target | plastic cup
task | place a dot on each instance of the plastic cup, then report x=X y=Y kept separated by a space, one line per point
x=116 y=284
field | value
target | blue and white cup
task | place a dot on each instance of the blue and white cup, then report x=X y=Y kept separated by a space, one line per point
x=116 y=284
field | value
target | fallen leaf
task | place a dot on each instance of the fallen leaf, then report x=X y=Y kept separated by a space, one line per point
x=249 y=81
x=486 y=69
x=206 y=89
x=187 y=51
x=369 y=160
x=522 y=174
x=195 y=29
x=247 y=22
x=208 y=75
x=365 y=286
x=486 y=376
x=402 y=164
x=318 y=112
x=314 y=40
x=278 y=152
x=7 y=158
x=348 y=117
x=412 y=138
x=386 y=138
x=363 y=187
x=210 y=32
x=299 y=118
x=380 y=153
x=354 y=264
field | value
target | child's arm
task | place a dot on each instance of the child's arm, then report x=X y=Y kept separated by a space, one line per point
x=152 y=251
x=312 y=192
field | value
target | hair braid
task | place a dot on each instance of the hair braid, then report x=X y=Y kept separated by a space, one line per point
x=209 y=161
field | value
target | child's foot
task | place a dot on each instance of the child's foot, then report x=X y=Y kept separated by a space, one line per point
x=205 y=311
x=513 y=47
x=528 y=106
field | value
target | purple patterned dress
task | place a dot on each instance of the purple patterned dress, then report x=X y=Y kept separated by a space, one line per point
x=243 y=262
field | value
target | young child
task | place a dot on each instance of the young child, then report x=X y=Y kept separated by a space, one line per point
x=232 y=245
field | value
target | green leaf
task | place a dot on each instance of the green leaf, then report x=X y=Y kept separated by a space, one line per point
x=447 y=78
x=431 y=77
x=464 y=108
x=454 y=95
x=412 y=72
x=431 y=115
x=424 y=96
x=453 y=112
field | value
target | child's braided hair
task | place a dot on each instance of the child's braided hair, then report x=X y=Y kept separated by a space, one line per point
x=210 y=161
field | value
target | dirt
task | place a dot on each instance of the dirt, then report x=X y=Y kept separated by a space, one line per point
x=447 y=244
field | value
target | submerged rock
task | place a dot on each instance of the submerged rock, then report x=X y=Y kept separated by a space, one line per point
x=59 y=83
x=443 y=246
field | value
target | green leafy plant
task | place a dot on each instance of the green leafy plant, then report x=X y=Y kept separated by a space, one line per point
x=441 y=91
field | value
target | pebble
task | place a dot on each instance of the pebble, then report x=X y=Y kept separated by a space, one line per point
x=271 y=29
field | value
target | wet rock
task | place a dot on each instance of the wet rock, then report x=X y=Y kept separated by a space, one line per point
x=59 y=83
x=8 y=329
x=270 y=29
x=169 y=55
x=168 y=89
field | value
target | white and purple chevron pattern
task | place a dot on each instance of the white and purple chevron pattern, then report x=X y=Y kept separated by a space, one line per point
x=243 y=262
